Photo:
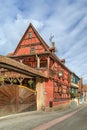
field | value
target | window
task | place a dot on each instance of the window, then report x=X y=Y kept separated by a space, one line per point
x=30 y=35
x=32 y=50
x=73 y=79
x=76 y=80
x=72 y=90
x=43 y=64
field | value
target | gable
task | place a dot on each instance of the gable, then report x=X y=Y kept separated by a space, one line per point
x=30 y=43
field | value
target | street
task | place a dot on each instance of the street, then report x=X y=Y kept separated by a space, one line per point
x=76 y=122
x=32 y=120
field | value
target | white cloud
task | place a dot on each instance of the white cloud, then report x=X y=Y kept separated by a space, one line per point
x=11 y=33
x=66 y=20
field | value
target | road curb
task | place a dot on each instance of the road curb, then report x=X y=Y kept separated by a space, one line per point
x=18 y=114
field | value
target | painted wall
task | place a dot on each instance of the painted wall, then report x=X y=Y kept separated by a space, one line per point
x=29 y=45
x=48 y=91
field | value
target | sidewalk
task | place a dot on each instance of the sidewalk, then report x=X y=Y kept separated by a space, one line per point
x=17 y=115
x=42 y=120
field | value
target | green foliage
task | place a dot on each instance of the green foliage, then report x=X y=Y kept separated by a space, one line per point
x=73 y=95
x=15 y=81
x=31 y=84
x=2 y=79
x=30 y=81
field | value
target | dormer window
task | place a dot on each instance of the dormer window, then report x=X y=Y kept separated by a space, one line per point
x=30 y=35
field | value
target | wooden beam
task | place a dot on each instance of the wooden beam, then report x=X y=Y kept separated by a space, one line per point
x=13 y=65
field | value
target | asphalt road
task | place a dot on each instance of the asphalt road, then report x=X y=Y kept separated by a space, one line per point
x=75 y=122
x=31 y=120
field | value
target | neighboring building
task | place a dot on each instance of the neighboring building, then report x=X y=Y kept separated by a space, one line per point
x=33 y=51
x=74 y=87
x=85 y=92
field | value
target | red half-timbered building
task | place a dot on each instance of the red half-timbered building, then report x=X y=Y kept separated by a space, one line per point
x=33 y=51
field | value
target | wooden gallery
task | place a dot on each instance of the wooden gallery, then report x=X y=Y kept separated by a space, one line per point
x=33 y=77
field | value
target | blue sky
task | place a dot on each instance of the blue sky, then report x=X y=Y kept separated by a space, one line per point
x=65 y=19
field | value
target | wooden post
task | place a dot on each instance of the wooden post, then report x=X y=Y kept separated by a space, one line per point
x=38 y=62
x=10 y=79
x=20 y=80
x=16 y=98
x=48 y=62
x=40 y=88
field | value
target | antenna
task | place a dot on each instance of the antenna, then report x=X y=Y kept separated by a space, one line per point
x=51 y=38
x=52 y=48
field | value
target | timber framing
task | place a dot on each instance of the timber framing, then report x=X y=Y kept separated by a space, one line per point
x=13 y=65
x=43 y=43
x=38 y=35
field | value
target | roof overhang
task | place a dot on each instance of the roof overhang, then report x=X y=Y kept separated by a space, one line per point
x=13 y=65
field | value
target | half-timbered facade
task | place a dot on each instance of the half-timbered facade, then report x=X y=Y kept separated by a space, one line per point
x=33 y=51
